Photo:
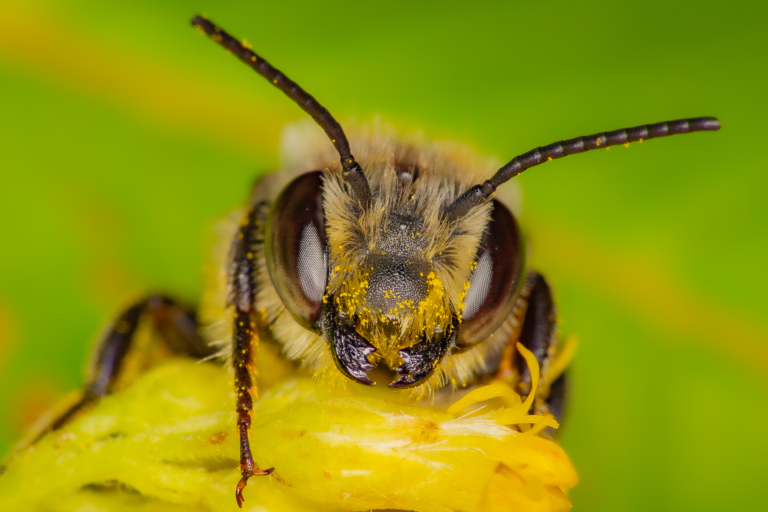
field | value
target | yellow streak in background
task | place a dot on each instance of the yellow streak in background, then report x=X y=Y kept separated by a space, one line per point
x=184 y=100
x=7 y=332
x=653 y=293
x=188 y=103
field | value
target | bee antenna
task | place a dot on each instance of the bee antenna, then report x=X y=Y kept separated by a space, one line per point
x=353 y=173
x=479 y=193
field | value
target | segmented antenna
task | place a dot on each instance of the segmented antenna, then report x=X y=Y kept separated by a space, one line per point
x=353 y=173
x=480 y=193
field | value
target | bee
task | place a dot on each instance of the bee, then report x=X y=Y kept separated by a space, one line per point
x=400 y=265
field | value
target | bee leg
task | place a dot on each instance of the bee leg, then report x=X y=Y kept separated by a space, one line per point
x=539 y=335
x=538 y=332
x=242 y=360
x=241 y=293
x=177 y=327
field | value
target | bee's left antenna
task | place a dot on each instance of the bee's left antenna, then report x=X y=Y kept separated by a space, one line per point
x=353 y=173
x=479 y=193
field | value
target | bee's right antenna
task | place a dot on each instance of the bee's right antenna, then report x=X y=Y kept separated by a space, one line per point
x=353 y=173
x=479 y=193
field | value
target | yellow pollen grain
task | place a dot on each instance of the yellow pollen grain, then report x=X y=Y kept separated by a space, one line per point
x=549 y=159
x=626 y=144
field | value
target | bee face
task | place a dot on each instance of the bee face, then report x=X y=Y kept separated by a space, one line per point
x=381 y=284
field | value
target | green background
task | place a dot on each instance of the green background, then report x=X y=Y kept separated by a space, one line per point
x=124 y=135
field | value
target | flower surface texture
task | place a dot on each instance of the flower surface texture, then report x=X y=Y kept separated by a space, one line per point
x=167 y=442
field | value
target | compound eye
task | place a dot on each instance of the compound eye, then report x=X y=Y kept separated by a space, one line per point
x=296 y=248
x=495 y=282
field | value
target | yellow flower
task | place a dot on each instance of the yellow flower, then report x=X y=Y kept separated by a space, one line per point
x=167 y=442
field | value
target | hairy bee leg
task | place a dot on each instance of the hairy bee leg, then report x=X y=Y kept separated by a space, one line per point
x=538 y=332
x=242 y=360
x=177 y=327
x=241 y=293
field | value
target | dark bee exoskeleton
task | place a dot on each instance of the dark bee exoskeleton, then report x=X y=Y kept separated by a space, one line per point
x=398 y=265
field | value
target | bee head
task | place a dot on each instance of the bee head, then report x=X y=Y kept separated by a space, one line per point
x=392 y=284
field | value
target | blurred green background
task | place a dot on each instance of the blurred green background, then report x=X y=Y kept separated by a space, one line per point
x=125 y=135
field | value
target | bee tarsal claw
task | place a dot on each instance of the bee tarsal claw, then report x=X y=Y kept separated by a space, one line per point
x=239 y=491
x=244 y=481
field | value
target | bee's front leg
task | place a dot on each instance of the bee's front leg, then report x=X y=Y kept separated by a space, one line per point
x=243 y=355
x=241 y=293
x=539 y=335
